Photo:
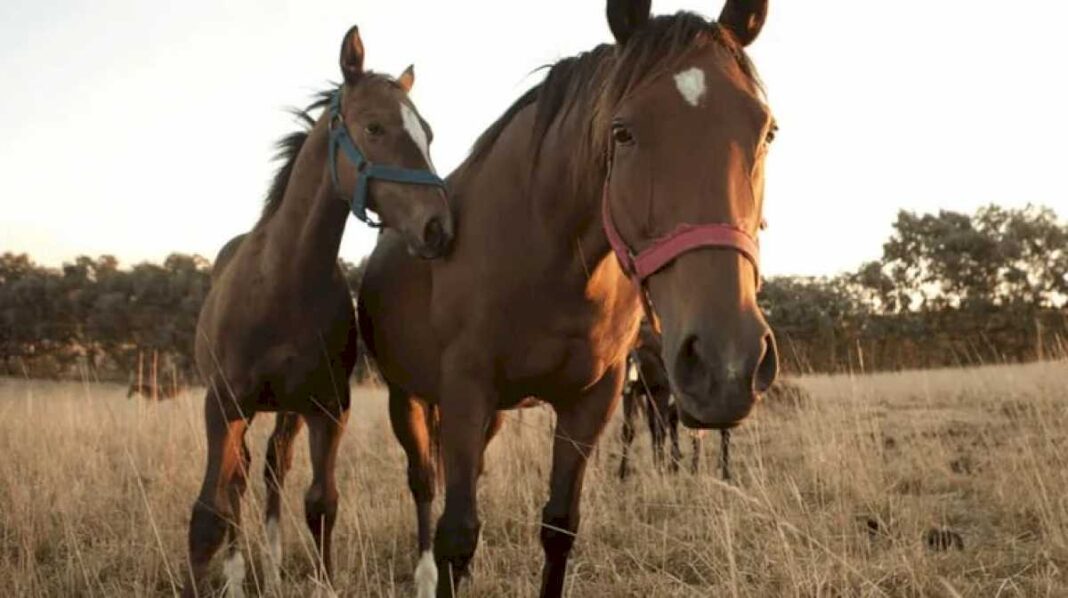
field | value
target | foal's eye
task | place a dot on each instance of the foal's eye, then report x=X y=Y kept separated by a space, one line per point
x=374 y=129
x=621 y=135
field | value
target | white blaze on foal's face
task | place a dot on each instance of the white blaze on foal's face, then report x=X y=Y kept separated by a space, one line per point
x=414 y=126
x=691 y=84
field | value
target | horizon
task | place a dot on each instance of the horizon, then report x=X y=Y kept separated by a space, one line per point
x=126 y=142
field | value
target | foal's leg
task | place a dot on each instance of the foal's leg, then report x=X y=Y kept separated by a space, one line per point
x=279 y=459
x=234 y=567
x=579 y=423
x=320 y=502
x=467 y=407
x=409 y=419
x=630 y=410
x=213 y=512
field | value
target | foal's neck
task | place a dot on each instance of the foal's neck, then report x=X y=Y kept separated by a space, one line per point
x=305 y=234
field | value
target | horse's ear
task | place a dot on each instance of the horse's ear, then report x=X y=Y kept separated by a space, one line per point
x=407 y=78
x=352 y=55
x=744 y=18
x=627 y=16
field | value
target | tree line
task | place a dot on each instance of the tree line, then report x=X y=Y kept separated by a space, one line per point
x=950 y=289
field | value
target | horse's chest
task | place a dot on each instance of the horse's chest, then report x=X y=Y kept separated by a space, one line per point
x=280 y=341
x=576 y=339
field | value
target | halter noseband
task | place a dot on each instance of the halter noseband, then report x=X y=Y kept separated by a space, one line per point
x=666 y=249
x=365 y=169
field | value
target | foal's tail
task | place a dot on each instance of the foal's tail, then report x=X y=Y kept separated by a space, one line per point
x=433 y=428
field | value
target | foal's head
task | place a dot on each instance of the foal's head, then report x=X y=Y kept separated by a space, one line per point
x=687 y=131
x=385 y=126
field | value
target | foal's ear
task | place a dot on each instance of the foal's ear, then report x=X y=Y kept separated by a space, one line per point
x=352 y=55
x=744 y=18
x=407 y=78
x=627 y=16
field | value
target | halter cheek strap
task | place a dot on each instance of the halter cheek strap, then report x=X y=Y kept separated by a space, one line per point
x=365 y=169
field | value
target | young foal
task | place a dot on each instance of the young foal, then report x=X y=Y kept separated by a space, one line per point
x=656 y=143
x=278 y=331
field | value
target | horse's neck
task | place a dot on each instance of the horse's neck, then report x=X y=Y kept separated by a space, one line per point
x=558 y=217
x=305 y=233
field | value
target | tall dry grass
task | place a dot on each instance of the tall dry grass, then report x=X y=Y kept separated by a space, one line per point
x=833 y=497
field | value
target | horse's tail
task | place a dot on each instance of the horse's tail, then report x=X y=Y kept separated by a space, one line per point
x=433 y=428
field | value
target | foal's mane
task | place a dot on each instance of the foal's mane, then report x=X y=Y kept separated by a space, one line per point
x=594 y=82
x=288 y=148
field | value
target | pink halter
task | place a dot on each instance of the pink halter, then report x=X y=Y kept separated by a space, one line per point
x=664 y=250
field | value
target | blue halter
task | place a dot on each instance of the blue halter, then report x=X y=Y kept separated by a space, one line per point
x=365 y=169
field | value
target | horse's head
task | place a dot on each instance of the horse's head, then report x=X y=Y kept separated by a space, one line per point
x=386 y=167
x=688 y=133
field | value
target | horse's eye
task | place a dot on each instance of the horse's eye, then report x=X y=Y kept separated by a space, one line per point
x=621 y=135
x=374 y=129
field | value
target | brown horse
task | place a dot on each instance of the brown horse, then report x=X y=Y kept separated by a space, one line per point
x=618 y=146
x=648 y=390
x=278 y=331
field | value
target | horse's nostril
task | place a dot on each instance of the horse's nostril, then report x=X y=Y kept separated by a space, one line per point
x=434 y=235
x=689 y=361
x=768 y=368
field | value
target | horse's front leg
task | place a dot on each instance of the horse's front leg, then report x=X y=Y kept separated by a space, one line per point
x=580 y=421
x=467 y=404
x=216 y=512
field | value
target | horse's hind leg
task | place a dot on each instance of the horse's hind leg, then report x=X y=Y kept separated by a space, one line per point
x=630 y=410
x=279 y=460
x=213 y=512
x=320 y=502
x=409 y=418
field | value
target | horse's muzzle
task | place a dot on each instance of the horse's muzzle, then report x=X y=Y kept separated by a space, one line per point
x=717 y=381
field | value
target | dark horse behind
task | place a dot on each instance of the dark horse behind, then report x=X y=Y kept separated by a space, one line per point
x=647 y=390
x=653 y=144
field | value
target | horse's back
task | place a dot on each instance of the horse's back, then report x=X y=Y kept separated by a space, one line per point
x=394 y=315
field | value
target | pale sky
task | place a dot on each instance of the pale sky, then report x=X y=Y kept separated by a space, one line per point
x=140 y=128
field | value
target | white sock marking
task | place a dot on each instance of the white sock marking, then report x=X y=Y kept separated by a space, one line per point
x=415 y=129
x=234 y=569
x=274 y=550
x=426 y=576
x=691 y=84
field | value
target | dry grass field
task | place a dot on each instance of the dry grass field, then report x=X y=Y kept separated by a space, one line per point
x=832 y=497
